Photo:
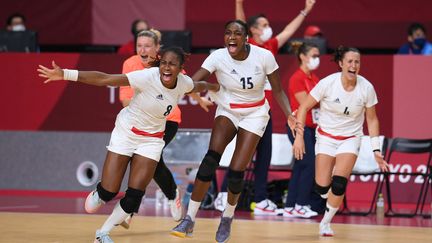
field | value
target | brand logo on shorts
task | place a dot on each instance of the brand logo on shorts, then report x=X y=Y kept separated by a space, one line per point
x=159 y=97
x=337 y=100
x=233 y=71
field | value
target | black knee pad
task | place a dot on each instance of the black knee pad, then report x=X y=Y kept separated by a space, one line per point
x=105 y=195
x=132 y=200
x=339 y=185
x=235 y=181
x=321 y=190
x=208 y=166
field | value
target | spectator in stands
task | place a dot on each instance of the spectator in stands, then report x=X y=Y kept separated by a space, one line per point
x=417 y=41
x=314 y=35
x=241 y=70
x=139 y=128
x=260 y=34
x=137 y=26
x=345 y=98
x=301 y=195
x=16 y=22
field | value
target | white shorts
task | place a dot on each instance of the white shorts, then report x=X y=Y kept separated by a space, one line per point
x=254 y=121
x=333 y=147
x=125 y=142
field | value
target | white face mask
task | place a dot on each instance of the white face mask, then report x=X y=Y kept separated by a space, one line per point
x=266 y=34
x=18 y=27
x=313 y=63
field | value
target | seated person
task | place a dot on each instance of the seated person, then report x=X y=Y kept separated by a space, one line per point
x=129 y=48
x=15 y=22
x=417 y=42
x=16 y=38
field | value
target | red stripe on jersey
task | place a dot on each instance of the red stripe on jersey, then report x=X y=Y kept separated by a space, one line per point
x=147 y=134
x=333 y=136
x=247 y=105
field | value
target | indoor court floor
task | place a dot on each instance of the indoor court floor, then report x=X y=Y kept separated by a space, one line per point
x=62 y=219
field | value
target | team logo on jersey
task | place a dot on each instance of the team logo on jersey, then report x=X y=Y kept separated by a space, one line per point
x=257 y=70
x=159 y=97
x=234 y=71
x=337 y=100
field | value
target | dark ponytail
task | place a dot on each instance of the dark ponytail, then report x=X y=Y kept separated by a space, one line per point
x=341 y=51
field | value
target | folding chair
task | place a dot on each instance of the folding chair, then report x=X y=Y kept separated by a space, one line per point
x=364 y=168
x=409 y=146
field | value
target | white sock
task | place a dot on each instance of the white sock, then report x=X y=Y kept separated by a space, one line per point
x=117 y=216
x=193 y=209
x=229 y=210
x=329 y=213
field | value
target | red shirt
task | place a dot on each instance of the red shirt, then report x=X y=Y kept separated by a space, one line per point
x=271 y=45
x=299 y=82
x=127 y=49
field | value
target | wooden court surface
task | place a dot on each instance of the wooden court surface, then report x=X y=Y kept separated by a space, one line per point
x=56 y=228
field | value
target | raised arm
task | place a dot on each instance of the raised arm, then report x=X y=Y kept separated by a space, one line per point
x=239 y=11
x=373 y=128
x=291 y=28
x=88 y=77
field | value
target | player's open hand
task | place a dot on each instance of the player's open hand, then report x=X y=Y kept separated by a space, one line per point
x=382 y=164
x=50 y=74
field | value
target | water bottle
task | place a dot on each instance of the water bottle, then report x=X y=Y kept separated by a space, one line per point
x=380 y=207
x=159 y=197
x=187 y=195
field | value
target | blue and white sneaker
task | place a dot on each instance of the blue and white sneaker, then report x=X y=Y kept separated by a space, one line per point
x=184 y=228
x=224 y=231
x=102 y=237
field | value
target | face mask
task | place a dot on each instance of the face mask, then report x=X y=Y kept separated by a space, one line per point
x=420 y=42
x=313 y=63
x=18 y=27
x=267 y=34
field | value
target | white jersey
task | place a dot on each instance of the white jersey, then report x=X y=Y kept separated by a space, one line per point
x=342 y=112
x=152 y=101
x=243 y=81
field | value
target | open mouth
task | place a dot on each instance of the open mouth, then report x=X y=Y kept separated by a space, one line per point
x=352 y=72
x=144 y=57
x=232 y=47
x=166 y=77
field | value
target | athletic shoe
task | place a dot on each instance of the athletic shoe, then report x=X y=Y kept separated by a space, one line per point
x=102 y=237
x=221 y=201
x=266 y=207
x=176 y=207
x=304 y=211
x=185 y=228
x=325 y=230
x=289 y=212
x=126 y=223
x=224 y=229
x=93 y=202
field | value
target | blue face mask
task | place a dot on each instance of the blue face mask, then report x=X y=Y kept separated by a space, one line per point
x=420 y=42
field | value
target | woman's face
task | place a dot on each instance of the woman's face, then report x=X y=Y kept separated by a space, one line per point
x=169 y=68
x=308 y=59
x=350 y=65
x=235 y=40
x=147 y=49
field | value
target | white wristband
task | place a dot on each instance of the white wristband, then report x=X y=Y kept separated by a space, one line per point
x=375 y=143
x=71 y=75
x=302 y=12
